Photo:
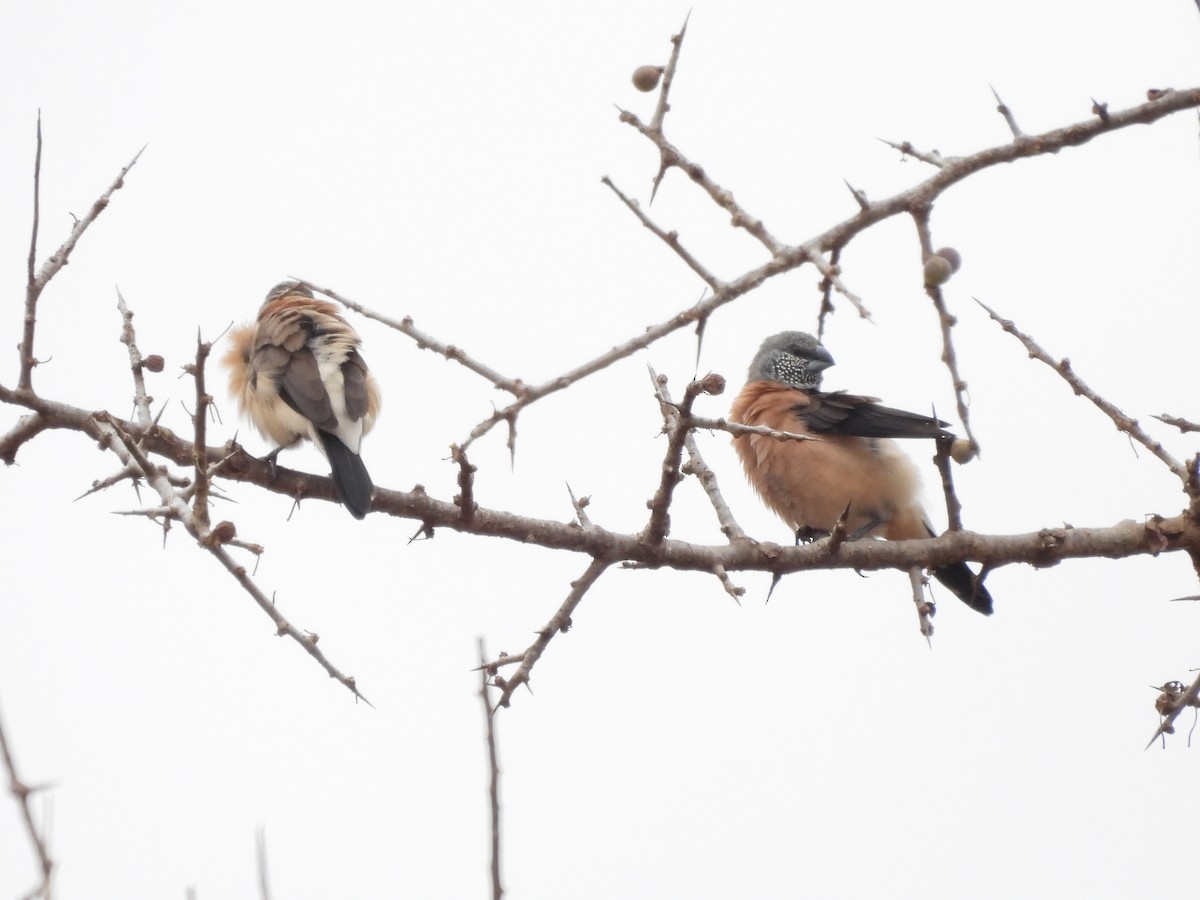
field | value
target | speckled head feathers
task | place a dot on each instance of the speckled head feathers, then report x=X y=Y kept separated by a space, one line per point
x=794 y=358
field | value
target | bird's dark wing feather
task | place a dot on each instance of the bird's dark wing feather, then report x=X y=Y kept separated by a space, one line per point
x=354 y=378
x=857 y=416
x=303 y=390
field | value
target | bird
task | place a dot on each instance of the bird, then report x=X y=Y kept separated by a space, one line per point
x=855 y=468
x=297 y=373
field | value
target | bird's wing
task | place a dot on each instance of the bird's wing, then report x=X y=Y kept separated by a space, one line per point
x=291 y=365
x=354 y=378
x=857 y=416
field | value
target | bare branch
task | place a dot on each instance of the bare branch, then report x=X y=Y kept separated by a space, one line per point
x=37 y=283
x=25 y=379
x=141 y=400
x=1044 y=547
x=424 y=341
x=559 y=623
x=670 y=238
x=200 y=430
x=675 y=419
x=671 y=156
x=953 y=506
x=826 y=287
x=27 y=428
x=212 y=540
x=696 y=464
x=731 y=589
x=736 y=428
x=660 y=112
x=832 y=276
x=21 y=793
x=1123 y=422
x=925 y=609
x=934 y=159
x=946 y=322
x=1183 y=425
x=466 y=482
x=493 y=771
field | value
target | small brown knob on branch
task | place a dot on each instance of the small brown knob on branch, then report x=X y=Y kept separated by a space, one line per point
x=962 y=451
x=645 y=78
x=937 y=270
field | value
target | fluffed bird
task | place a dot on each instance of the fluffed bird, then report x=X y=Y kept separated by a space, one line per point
x=297 y=373
x=855 y=467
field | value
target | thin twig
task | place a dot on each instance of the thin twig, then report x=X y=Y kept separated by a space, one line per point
x=212 y=541
x=696 y=464
x=953 y=506
x=21 y=793
x=934 y=159
x=1123 y=422
x=832 y=274
x=1183 y=425
x=736 y=428
x=731 y=589
x=670 y=238
x=660 y=111
x=424 y=341
x=738 y=217
x=925 y=609
x=466 y=483
x=200 y=428
x=493 y=771
x=946 y=322
x=826 y=288
x=37 y=283
x=25 y=379
x=559 y=623
x=675 y=424
x=260 y=859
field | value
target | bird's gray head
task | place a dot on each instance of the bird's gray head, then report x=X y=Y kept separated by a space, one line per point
x=794 y=358
x=287 y=287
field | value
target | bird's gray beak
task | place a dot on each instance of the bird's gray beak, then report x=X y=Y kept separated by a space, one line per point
x=821 y=360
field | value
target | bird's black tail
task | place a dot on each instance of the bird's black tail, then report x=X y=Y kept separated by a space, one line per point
x=960 y=581
x=350 y=475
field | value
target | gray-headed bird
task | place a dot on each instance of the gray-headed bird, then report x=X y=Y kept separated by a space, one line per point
x=297 y=373
x=855 y=465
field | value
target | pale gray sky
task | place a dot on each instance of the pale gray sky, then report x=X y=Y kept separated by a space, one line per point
x=444 y=162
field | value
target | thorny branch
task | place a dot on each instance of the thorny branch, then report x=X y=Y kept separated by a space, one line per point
x=131 y=452
x=37 y=283
x=681 y=420
x=946 y=322
x=676 y=427
x=560 y=623
x=21 y=793
x=1123 y=422
x=135 y=443
x=784 y=257
x=201 y=474
x=486 y=672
